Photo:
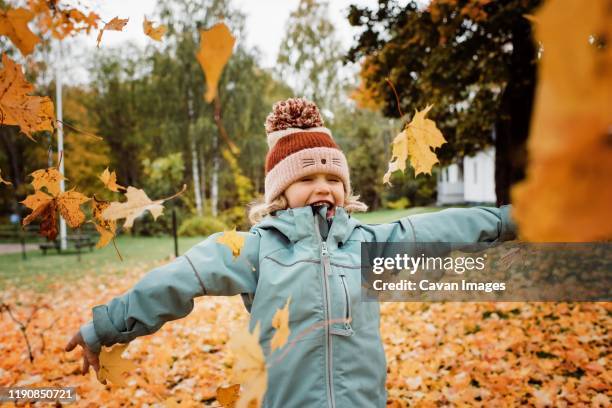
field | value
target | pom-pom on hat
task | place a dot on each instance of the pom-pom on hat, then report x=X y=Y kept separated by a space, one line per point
x=299 y=145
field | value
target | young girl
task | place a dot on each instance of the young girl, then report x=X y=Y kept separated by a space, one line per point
x=305 y=245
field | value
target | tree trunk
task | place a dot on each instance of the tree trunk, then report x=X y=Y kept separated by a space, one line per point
x=514 y=118
x=203 y=179
x=214 y=179
x=195 y=174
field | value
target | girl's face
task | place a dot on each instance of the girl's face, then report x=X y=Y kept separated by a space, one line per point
x=319 y=187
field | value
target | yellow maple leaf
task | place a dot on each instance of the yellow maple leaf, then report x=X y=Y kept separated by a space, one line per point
x=567 y=175
x=37 y=199
x=249 y=368
x=415 y=142
x=110 y=180
x=105 y=228
x=69 y=204
x=228 y=396
x=30 y=113
x=14 y=24
x=155 y=33
x=280 y=322
x=216 y=45
x=137 y=203
x=233 y=240
x=49 y=178
x=8 y=183
x=112 y=366
x=45 y=206
x=115 y=24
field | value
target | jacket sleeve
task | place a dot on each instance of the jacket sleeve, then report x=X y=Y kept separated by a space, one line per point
x=469 y=225
x=166 y=293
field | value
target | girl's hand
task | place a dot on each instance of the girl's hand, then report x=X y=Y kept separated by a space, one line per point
x=89 y=357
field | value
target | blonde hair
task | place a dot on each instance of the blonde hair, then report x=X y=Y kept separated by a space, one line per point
x=259 y=209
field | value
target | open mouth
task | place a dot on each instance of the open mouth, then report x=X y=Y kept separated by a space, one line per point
x=331 y=209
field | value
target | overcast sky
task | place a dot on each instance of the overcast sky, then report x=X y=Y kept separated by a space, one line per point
x=265 y=23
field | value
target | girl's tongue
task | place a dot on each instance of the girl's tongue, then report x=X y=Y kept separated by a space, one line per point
x=330 y=212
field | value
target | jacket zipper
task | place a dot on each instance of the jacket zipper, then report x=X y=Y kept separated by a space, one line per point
x=327 y=307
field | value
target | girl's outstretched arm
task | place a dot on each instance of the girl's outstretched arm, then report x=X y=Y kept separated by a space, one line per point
x=167 y=292
x=476 y=224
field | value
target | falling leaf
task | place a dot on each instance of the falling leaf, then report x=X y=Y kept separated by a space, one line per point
x=30 y=113
x=416 y=141
x=569 y=155
x=233 y=240
x=115 y=24
x=53 y=17
x=137 y=203
x=280 y=322
x=105 y=228
x=113 y=367
x=110 y=180
x=49 y=178
x=249 y=369
x=155 y=33
x=14 y=24
x=47 y=212
x=45 y=206
x=216 y=47
x=68 y=204
x=228 y=396
x=8 y=183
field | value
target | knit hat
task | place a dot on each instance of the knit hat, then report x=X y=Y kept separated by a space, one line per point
x=299 y=145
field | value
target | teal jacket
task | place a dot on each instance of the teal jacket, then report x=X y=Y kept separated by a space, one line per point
x=340 y=363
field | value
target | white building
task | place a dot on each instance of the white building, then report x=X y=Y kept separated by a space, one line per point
x=471 y=182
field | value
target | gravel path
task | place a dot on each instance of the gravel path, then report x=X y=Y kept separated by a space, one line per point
x=12 y=248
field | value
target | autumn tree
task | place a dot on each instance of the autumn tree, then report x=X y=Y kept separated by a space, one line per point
x=473 y=60
x=310 y=55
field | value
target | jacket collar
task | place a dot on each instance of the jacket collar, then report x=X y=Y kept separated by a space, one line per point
x=299 y=223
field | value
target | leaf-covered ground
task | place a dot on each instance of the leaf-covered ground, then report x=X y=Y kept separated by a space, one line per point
x=452 y=354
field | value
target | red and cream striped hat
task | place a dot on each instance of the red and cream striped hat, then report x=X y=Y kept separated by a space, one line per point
x=299 y=145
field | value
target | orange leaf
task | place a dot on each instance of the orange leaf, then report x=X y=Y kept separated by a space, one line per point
x=30 y=113
x=233 y=240
x=105 y=228
x=228 y=396
x=155 y=33
x=49 y=178
x=110 y=180
x=416 y=141
x=250 y=367
x=47 y=212
x=14 y=24
x=69 y=204
x=45 y=206
x=112 y=366
x=216 y=47
x=115 y=24
x=570 y=159
x=280 y=322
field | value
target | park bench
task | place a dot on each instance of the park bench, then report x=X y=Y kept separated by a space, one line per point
x=14 y=233
x=84 y=237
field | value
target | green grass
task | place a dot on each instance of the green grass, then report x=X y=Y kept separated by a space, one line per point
x=384 y=216
x=38 y=270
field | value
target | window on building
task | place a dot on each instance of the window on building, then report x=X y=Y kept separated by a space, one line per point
x=446 y=173
x=475 y=172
